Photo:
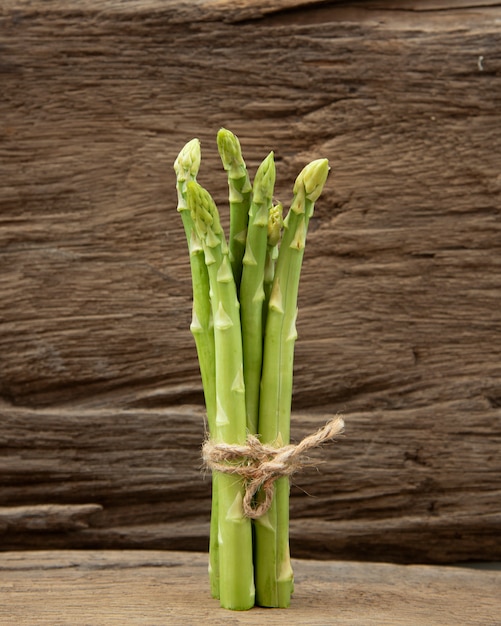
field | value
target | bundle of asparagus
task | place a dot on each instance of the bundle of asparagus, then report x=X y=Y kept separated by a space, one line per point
x=244 y=324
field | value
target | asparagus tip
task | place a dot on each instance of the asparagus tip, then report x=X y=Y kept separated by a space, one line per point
x=264 y=181
x=203 y=209
x=275 y=223
x=230 y=150
x=312 y=178
x=187 y=162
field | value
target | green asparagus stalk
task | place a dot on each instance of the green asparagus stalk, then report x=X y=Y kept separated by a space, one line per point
x=186 y=167
x=240 y=190
x=273 y=573
x=275 y=224
x=236 y=579
x=252 y=286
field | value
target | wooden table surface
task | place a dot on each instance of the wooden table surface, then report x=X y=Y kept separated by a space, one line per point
x=160 y=587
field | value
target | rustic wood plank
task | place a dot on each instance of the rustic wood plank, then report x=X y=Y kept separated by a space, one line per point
x=382 y=492
x=171 y=587
x=399 y=305
x=47 y=517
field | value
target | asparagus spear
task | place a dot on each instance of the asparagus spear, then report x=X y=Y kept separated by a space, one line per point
x=275 y=223
x=251 y=287
x=240 y=190
x=186 y=167
x=273 y=573
x=236 y=578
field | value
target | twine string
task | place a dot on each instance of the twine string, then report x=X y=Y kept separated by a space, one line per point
x=260 y=465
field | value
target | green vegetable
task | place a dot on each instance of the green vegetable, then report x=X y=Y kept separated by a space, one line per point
x=274 y=579
x=186 y=167
x=275 y=224
x=236 y=581
x=240 y=189
x=244 y=324
x=252 y=286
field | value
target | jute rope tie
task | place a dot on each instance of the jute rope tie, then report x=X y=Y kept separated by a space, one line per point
x=260 y=465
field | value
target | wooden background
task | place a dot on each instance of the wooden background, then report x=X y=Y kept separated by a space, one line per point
x=399 y=328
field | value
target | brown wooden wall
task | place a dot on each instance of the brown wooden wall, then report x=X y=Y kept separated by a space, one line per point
x=400 y=320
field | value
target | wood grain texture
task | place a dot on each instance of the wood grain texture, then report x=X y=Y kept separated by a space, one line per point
x=399 y=324
x=140 y=587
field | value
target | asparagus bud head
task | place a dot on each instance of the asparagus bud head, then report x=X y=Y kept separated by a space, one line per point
x=311 y=180
x=231 y=154
x=204 y=214
x=187 y=162
x=264 y=183
x=275 y=224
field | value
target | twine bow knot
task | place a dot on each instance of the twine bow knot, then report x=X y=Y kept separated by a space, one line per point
x=260 y=465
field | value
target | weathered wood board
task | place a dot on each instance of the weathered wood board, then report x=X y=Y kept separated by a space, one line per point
x=400 y=317
x=138 y=587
